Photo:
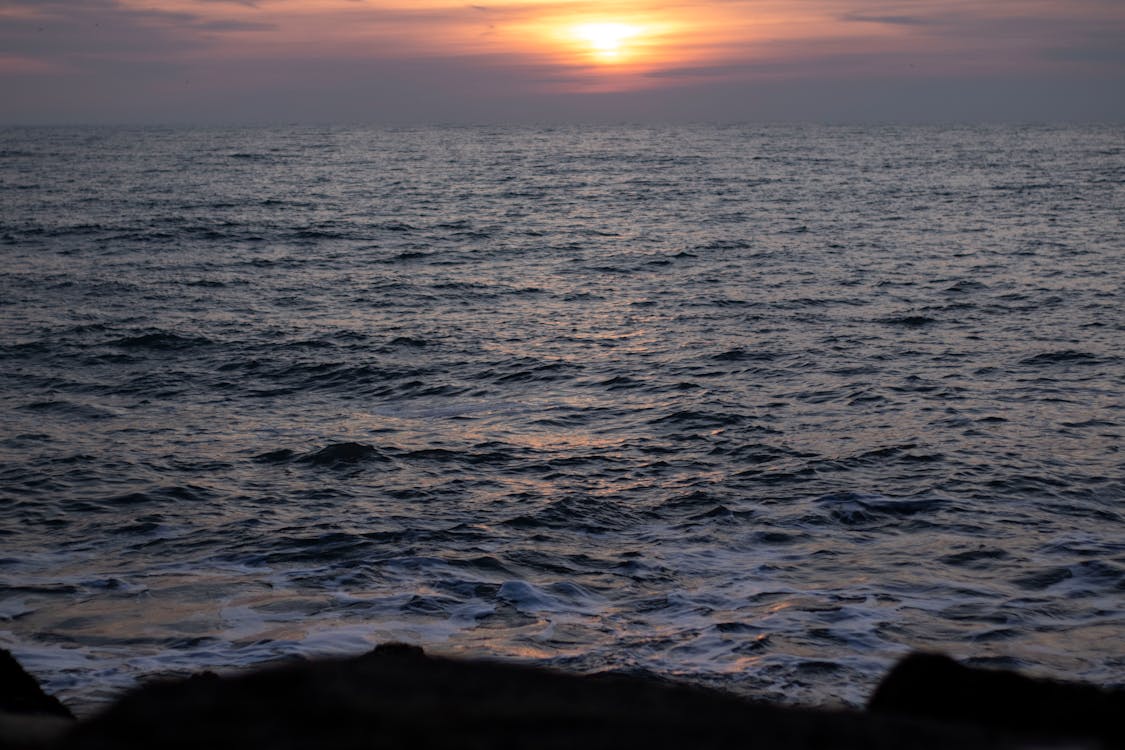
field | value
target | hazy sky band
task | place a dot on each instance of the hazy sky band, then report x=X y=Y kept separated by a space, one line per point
x=378 y=60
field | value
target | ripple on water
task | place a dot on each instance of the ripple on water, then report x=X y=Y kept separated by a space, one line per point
x=543 y=395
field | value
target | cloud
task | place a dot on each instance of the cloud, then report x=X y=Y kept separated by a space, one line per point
x=1105 y=48
x=414 y=60
x=232 y=25
x=889 y=20
x=72 y=32
x=704 y=71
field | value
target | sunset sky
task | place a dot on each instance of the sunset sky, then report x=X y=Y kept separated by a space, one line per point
x=541 y=60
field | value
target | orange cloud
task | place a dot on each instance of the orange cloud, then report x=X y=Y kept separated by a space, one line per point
x=621 y=44
x=672 y=31
x=651 y=36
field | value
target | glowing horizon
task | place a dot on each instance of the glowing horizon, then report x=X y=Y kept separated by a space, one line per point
x=644 y=35
x=548 y=47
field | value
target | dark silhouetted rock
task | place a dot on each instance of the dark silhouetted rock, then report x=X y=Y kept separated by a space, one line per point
x=397 y=697
x=29 y=718
x=21 y=694
x=932 y=686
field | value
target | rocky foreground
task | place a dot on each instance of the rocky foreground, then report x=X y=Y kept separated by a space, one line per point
x=396 y=696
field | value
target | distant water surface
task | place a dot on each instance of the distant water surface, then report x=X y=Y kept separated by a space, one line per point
x=755 y=407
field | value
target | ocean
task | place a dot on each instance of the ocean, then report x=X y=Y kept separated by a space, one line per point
x=756 y=407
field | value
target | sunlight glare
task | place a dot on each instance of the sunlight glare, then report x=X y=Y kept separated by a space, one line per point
x=605 y=40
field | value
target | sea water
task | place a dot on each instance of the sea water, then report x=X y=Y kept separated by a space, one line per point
x=761 y=408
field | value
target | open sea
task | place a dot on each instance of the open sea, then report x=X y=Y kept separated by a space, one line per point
x=761 y=408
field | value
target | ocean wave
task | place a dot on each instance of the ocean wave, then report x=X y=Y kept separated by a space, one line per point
x=689 y=410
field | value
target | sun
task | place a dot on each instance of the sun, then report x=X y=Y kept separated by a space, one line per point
x=607 y=42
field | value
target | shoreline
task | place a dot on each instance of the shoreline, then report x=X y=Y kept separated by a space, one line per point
x=396 y=695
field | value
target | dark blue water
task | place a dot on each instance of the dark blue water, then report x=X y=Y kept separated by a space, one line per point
x=756 y=407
